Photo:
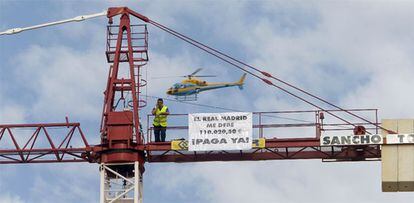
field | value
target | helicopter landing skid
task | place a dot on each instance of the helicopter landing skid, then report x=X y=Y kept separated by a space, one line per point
x=192 y=97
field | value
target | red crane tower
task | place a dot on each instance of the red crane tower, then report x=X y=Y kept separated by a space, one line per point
x=124 y=149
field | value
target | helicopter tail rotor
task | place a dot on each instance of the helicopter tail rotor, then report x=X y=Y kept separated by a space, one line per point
x=240 y=83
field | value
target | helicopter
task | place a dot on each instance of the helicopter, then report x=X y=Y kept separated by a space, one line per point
x=193 y=85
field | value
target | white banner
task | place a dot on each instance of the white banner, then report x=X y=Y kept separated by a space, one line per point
x=220 y=131
x=342 y=140
x=400 y=138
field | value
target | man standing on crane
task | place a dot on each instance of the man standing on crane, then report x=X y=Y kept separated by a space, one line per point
x=160 y=111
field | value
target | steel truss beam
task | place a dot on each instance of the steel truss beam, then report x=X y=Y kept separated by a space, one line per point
x=275 y=149
x=121 y=183
x=43 y=143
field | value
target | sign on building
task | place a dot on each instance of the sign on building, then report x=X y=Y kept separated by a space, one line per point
x=400 y=138
x=220 y=131
x=343 y=140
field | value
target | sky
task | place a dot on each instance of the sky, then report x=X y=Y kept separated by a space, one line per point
x=356 y=54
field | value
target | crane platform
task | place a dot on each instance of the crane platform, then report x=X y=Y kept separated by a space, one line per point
x=66 y=142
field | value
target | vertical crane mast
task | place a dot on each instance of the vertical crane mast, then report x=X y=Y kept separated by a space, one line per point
x=127 y=52
x=121 y=153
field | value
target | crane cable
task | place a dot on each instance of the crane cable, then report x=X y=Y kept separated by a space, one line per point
x=210 y=51
x=223 y=57
x=226 y=58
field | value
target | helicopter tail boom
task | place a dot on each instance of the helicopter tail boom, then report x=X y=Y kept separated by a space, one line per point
x=241 y=81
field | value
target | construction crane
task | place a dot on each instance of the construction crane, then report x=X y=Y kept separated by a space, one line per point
x=124 y=149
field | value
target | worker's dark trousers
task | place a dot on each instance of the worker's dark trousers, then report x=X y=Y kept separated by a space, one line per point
x=159 y=133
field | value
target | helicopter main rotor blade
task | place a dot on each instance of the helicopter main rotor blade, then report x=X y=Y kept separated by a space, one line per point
x=186 y=76
x=196 y=71
x=160 y=77
x=203 y=76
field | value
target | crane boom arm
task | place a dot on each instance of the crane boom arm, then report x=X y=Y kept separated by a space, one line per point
x=75 y=19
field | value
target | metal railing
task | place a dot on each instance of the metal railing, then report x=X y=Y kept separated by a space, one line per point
x=284 y=124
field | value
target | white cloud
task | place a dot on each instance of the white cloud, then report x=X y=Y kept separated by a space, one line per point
x=274 y=181
x=9 y=198
x=71 y=183
x=162 y=65
x=6 y=195
x=12 y=113
x=64 y=81
x=321 y=50
x=365 y=45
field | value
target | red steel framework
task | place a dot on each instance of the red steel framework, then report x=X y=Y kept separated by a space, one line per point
x=60 y=147
x=40 y=143
x=277 y=146
x=121 y=132
x=120 y=128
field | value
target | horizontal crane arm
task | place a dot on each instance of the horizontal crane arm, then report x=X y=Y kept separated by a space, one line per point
x=75 y=19
x=43 y=143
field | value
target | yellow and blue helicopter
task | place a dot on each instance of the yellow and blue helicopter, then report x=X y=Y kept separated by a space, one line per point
x=193 y=85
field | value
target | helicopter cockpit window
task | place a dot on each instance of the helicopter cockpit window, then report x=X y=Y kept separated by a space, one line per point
x=176 y=86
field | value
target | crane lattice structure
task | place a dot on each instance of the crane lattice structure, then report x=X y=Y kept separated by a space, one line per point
x=124 y=149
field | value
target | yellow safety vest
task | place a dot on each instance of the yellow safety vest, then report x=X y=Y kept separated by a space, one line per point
x=160 y=120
